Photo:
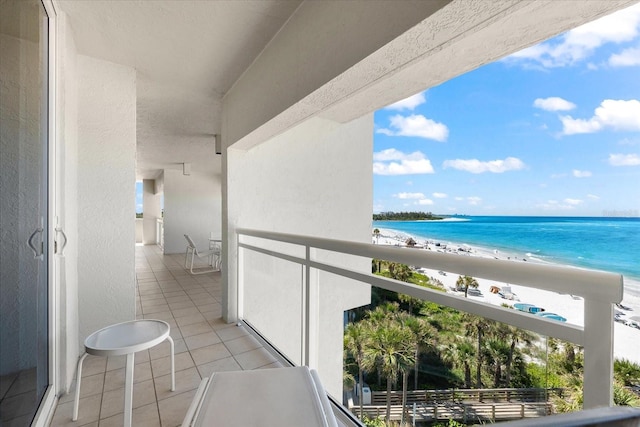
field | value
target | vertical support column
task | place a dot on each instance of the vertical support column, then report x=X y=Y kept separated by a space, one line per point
x=306 y=309
x=313 y=307
x=598 y=354
x=240 y=281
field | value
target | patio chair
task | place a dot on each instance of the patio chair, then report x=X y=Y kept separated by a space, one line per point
x=192 y=252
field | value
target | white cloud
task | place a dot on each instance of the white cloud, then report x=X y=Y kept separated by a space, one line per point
x=581 y=174
x=554 y=205
x=627 y=58
x=624 y=159
x=395 y=162
x=409 y=196
x=459 y=199
x=494 y=166
x=593 y=197
x=615 y=114
x=409 y=103
x=439 y=195
x=554 y=103
x=425 y=202
x=474 y=200
x=416 y=125
x=572 y=202
x=580 y=43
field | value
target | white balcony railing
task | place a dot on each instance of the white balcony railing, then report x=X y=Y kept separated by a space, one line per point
x=600 y=291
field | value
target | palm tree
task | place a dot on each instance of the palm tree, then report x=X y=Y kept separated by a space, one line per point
x=460 y=354
x=400 y=272
x=517 y=336
x=498 y=351
x=476 y=327
x=356 y=336
x=392 y=350
x=423 y=334
x=376 y=233
x=466 y=282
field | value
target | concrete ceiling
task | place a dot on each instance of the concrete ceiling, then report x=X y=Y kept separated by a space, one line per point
x=187 y=55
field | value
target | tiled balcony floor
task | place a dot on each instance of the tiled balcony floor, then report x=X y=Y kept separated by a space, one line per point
x=204 y=343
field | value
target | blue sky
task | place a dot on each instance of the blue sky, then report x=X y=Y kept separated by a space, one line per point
x=551 y=130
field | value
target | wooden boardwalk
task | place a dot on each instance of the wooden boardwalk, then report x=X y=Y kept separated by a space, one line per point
x=464 y=412
x=467 y=406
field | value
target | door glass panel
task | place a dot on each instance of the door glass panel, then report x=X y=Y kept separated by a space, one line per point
x=24 y=374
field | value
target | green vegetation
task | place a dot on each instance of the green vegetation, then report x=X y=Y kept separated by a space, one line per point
x=405 y=216
x=400 y=342
x=138 y=214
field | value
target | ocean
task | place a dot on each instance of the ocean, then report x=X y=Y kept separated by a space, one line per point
x=608 y=244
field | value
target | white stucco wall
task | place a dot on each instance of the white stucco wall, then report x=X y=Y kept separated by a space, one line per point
x=313 y=180
x=151 y=210
x=67 y=202
x=106 y=193
x=192 y=205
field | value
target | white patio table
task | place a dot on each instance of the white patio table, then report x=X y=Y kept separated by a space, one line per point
x=120 y=339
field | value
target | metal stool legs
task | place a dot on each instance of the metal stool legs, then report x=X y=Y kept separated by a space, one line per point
x=78 y=382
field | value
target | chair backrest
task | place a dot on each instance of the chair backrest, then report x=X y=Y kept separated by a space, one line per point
x=189 y=241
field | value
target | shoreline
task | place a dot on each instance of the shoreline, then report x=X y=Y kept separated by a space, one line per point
x=568 y=306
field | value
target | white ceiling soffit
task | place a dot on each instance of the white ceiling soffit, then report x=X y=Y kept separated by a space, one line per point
x=187 y=55
x=198 y=45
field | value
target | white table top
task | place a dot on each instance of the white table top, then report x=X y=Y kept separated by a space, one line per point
x=127 y=337
x=264 y=397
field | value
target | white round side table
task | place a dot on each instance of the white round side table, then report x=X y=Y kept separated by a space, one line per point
x=120 y=339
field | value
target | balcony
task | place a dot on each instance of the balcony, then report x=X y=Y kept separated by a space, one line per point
x=204 y=343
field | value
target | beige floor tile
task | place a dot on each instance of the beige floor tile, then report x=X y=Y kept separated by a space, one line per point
x=88 y=412
x=115 y=379
x=167 y=316
x=195 y=329
x=155 y=309
x=178 y=293
x=202 y=340
x=205 y=300
x=209 y=353
x=220 y=365
x=181 y=304
x=116 y=362
x=231 y=333
x=254 y=359
x=174 y=408
x=113 y=401
x=181 y=298
x=186 y=380
x=93 y=365
x=163 y=349
x=144 y=416
x=89 y=386
x=220 y=323
x=162 y=366
x=242 y=344
x=183 y=312
x=190 y=319
x=146 y=303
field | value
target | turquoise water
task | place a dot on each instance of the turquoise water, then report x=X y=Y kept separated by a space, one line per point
x=608 y=244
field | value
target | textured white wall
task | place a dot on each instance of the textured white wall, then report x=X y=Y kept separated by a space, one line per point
x=192 y=205
x=67 y=201
x=151 y=210
x=106 y=193
x=313 y=180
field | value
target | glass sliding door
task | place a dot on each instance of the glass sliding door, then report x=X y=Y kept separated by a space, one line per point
x=24 y=157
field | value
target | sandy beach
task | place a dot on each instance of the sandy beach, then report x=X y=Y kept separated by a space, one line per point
x=626 y=338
